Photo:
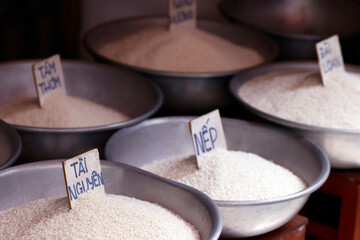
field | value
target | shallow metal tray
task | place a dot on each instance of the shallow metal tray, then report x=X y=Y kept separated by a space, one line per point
x=342 y=146
x=183 y=92
x=44 y=179
x=128 y=92
x=162 y=138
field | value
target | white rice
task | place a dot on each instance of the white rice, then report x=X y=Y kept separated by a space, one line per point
x=299 y=96
x=93 y=217
x=180 y=50
x=230 y=175
x=60 y=112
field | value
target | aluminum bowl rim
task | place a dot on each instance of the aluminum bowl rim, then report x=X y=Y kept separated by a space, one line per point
x=237 y=81
x=163 y=73
x=159 y=101
x=324 y=162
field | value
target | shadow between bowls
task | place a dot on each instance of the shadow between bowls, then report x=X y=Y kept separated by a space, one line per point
x=10 y=145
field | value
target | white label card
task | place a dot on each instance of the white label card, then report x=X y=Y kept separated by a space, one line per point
x=83 y=173
x=330 y=57
x=182 y=13
x=49 y=78
x=207 y=133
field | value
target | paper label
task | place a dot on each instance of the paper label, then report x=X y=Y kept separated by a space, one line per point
x=182 y=13
x=330 y=58
x=49 y=78
x=207 y=134
x=83 y=173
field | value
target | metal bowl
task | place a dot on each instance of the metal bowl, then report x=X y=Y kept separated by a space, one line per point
x=342 y=146
x=296 y=25
x=162 y=138
x=128 y=92
x=10 y=145
x=183 y=92
x=26 y=183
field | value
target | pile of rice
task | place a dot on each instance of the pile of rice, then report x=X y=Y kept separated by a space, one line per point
x=187 y=50
x=60 y=111
x=109 y=217
x=230 y=175
x=301 y=97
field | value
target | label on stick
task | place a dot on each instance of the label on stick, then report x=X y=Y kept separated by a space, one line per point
x=330 y=58
x=182 y=13
x=49 y=78
x=83 y=173
x=207 y=134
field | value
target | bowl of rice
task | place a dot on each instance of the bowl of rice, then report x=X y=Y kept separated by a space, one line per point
x=100 y=100
x=191 y=66
x=259 y=183
x=10 y=145
x=291 y=95
x=137 y=205
x=297 y=25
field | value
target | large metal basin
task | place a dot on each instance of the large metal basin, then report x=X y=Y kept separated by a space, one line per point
x=10 y=145
x=128 y=92
x=342 y=146
x=44 y=179
x=297 y=25
x=162 y=138
x=183 y=92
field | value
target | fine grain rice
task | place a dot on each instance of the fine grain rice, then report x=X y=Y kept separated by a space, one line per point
x=60 y=112
x=230 y=175
x=300 y=96
x=180 y=50
x=94 y=218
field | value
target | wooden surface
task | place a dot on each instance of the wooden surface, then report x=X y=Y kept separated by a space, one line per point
x=294 y=230
x=343 y=185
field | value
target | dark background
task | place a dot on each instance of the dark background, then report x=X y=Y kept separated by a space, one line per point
x=38 y=28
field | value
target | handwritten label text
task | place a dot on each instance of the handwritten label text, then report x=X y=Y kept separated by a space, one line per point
x=49 y=78
x=207 y=134
x=83 y=173
x=182 y=12
x=329 y=57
